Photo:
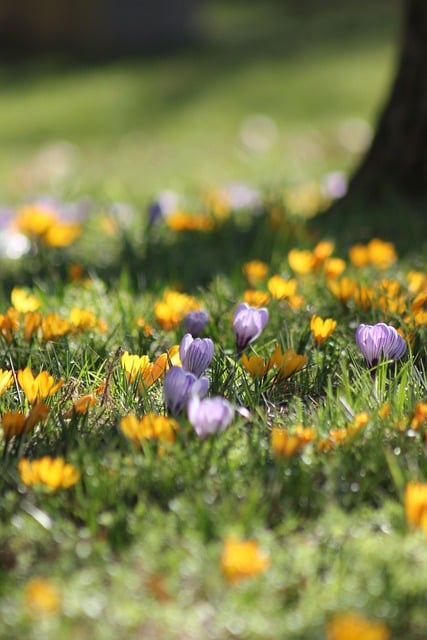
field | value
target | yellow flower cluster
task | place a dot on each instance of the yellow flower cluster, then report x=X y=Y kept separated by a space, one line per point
x=37 y=388
x=54 y=473
x=305 y=261
x=377 y=253
x=150 y=426
x=285 y=363
x=43 y=224
x=338 y=437
x=52 y=326
x=278 y=288
x=15 y=423
x=173 y=307
x=148 y=372
x=285 y=444
x=386 y=296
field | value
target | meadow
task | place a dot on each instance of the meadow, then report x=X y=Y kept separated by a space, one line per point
x=213 y=416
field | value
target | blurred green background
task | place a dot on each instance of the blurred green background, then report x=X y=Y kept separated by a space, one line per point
x=272 y=93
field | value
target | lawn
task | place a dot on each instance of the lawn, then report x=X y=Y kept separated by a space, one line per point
x=213 y=419
x=272 y=93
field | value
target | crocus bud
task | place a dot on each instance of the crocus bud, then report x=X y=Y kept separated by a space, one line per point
x=379 y=342
x=210 y=415
x=196 y=354
x=177 y=386
x=248 y=324
x=194 y=322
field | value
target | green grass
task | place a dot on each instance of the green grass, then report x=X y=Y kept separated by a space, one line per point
x=135 y=546
x=175 y=121
x=133 y=549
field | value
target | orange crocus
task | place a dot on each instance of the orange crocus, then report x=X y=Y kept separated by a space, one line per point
x=242 y=559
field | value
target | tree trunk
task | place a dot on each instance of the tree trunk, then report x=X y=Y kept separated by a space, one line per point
x=387 y=195
x=398 y=155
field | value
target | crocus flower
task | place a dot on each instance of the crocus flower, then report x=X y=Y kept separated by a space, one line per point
x=242 y=559
x=52 y=472
x=248 y=324
x=194 y=322
x=210 y=415
x=351 y=626
x=379 y=342
x=196 y=354
x=416 y=504
x=177 y=386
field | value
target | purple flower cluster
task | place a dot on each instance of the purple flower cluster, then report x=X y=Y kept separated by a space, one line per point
x=196 y=355
x=379 y=342
x=178 y=385
x=185 y=386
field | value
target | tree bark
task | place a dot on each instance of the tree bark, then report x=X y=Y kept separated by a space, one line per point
x=397 y=158
x=387 y=194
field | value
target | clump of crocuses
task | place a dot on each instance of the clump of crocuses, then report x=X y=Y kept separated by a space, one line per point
x=209 y=415
x=248 y=324
x=379 y=342
x=196 y=354
x=177 y=386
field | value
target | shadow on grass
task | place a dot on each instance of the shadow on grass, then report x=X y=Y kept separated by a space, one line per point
x=232 y=38
x=388 y=216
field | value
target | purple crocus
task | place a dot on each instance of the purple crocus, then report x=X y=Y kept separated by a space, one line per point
x=194 y=322
x=248 y=324
x=177 y=386
x=196 y=353
x=379 y=342
x=209 y=415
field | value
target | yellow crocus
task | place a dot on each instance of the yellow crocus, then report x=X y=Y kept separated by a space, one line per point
x=54 y=327
x=334 y=267
x=351 y=626
x=134 y=365
x=286 y=362
x=281 y=288
x=242 y=559
x=41 y=597
x=54 y=473
x=322 y=329
x=342 y=289
x=62 y=234
x=255 y=298
x=6 y=380
x=32 y=321
x=170 y=310
x=23 y=301
x=255 y=365
x=416 y=505
x=301 y=261
x=37 y=388
x=150 y=426
x=255 y=271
